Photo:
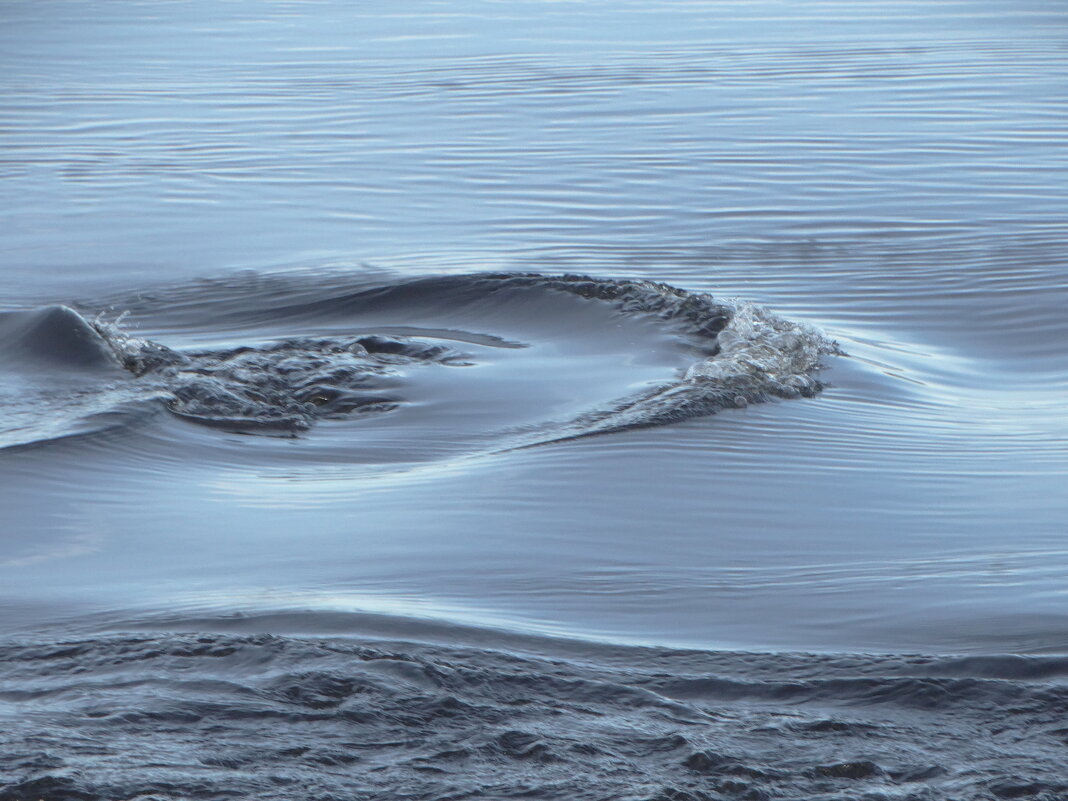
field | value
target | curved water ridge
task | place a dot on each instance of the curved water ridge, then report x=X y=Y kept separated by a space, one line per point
x=566 y=356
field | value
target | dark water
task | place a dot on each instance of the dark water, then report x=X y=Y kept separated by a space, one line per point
x=388 y=394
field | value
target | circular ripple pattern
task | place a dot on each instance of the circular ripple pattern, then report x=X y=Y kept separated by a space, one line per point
x=719 y=354
x=744 y=355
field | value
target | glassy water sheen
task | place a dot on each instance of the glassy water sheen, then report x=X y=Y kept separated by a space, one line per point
x=385 y=392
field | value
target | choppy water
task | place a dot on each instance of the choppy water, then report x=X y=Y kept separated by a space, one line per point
x=385 y=393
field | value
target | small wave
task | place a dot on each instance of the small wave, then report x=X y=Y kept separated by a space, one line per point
x=282 y=384
x=755 y=357
x=54 y=337
x=60 y=378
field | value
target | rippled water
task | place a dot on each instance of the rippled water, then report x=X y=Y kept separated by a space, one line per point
x=719 y=326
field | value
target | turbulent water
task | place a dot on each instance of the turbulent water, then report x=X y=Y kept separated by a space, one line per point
x=600 y=400
x=738 y=354
x=261 y=716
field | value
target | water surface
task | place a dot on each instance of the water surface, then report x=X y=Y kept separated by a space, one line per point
x=268 y=368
